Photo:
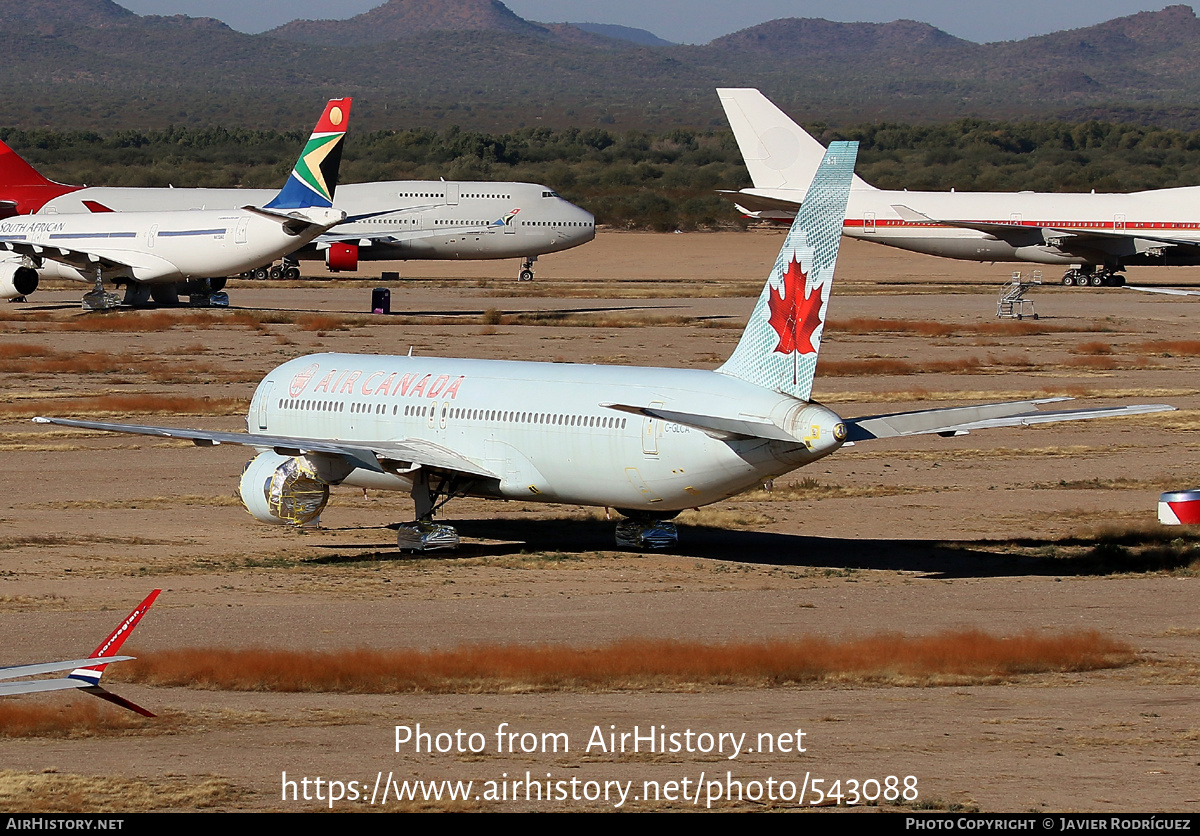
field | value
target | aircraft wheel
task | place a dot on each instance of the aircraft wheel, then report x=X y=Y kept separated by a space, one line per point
x=1098 y=280
x=261 y=274
x=165 y=294
x=525 y=276
x=292 y=274
x=1068 y=280
x=276 y=273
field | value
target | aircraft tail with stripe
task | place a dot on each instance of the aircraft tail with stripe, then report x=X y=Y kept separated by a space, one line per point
x=778 y=350
x=314 y=177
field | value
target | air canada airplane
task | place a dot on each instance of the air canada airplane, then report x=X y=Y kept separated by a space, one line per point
x=649 y=442
x=1094 y=235
x=387 y=221
x=144 y=249
x=85 y=673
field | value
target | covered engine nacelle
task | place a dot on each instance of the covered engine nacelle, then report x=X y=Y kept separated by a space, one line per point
x=17 y=280
x=342 y=257
x=283 y=490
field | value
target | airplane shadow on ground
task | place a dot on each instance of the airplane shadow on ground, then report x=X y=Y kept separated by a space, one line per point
x=1134 y=552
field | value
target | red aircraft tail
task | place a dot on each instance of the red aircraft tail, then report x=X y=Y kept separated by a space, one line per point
x=23 y=190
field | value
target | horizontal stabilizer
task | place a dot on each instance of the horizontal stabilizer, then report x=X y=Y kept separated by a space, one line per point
x=725 y=429
x=963 y=419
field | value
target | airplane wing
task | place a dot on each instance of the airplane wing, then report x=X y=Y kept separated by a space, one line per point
x=82 y=260
x=51 y=667
x=962 y=419
x=377 y=456
x=1080 y=241
x=725 y=429
x=85 y=673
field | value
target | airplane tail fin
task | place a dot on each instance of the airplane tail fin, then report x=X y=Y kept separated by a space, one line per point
x=14 y=171
x=778 y=349
x=315 y=175
x=112 y=644
x=778 y=153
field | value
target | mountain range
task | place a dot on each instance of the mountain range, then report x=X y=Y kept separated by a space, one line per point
x=92 y=64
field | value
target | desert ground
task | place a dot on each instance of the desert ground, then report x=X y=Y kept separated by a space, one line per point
x=1045 y=529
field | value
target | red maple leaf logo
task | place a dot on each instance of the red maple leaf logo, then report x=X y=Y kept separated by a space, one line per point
x=793 y=315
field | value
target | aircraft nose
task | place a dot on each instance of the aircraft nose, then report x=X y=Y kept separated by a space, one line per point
x=583 y=224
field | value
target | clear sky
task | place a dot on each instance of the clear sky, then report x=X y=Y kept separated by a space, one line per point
x=699 y=21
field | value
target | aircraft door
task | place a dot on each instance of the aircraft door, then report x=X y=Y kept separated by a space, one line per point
x=1119 y=223
x=151 y=236
x=651 y=432
x=239 y=236
x=869 y=222
x=452 y=194
x=264 y=398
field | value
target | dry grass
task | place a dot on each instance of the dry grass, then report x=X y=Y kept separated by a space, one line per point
x=1093 y=348
x=72 y=719
x=810 y=489
x=134 y=404
x=1169 y=348
x=24 y=792
x=946 y=658
x=865 y=325
x=29 y=359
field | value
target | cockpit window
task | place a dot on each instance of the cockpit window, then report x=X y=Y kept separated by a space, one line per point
x=549 y=194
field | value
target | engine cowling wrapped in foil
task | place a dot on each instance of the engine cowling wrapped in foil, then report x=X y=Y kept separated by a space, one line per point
x=283 y=490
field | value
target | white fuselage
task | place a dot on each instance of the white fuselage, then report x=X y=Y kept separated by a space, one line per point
x=159 y=247
x=544 y=429
x=428 y=219
x=1161 y=213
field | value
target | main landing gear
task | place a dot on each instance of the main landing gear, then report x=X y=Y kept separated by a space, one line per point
x=646 y=531
x=423 y=534
x=526 y=274
x=289 y=270
x=1091 y=277
x=201 y=293
x=99 y=299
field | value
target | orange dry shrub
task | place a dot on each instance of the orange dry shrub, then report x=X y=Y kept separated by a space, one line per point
x=20 y=719
x=866 y=325
x=631 y=663
x=1182 y=348
x=126 y=405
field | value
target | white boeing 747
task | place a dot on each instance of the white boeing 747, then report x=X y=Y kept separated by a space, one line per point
x=649 y=442
x=85 y=673
x=386 y=221
x=144 y=249
x=1095 y=235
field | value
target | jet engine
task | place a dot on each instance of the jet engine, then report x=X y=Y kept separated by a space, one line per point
x=17 y=280
x=342 y=257
x=283 y=490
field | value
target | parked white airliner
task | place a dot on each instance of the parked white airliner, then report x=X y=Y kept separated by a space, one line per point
x=144 y=249
x=1096 y=235
x=649 y=442
x=386 y=221
x=85 y=673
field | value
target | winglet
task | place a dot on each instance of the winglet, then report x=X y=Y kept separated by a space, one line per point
x=778 y=349
x=314 y=177
x=113 y=643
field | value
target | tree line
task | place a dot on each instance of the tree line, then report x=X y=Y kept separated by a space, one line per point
x=636 y=179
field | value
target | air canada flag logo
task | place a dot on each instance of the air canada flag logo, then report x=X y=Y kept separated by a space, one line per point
x=795 y=316
x=301 y=379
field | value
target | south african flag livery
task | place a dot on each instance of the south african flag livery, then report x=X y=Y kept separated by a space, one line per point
x=315 y=175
